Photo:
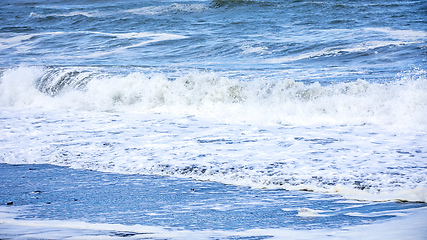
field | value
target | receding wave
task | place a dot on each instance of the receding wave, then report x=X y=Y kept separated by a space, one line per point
x=400 y=102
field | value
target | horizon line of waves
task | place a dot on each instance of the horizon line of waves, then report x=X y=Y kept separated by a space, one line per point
x=207 y=94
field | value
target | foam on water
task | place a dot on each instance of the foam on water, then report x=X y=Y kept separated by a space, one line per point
x=359 y=139
x=307 y=212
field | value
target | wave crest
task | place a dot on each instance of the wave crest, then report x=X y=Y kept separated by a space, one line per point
x=207 y=94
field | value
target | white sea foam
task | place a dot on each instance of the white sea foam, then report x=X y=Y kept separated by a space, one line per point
x=399 y=104
x=403 y=34
x=361 y=140
x=378 y=214
x=248 y=49
x=343 y=160
x=307 y=212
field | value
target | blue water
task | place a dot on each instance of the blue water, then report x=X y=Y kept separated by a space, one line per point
x=326 y=41
x=63 y=194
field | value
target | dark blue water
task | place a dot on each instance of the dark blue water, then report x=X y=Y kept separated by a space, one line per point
x=301 y=40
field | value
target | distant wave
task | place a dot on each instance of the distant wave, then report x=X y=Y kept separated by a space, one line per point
x=355 y=49
x=123 y=41
x=231 y=3
x=68 y=14
x=175 y=7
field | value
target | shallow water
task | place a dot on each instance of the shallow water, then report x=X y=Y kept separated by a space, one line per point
x=59 y=193
x=358 y=162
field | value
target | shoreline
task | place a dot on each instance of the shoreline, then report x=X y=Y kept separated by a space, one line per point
x=44 y=196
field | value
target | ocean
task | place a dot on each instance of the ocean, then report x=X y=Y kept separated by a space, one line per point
x=313 y=107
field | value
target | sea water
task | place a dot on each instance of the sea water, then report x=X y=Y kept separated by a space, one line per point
x=325 y=96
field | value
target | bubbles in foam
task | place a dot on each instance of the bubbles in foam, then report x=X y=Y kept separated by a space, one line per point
x=199 y=132
x=17 y=87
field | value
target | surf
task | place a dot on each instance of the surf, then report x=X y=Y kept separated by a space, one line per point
x=398 y=102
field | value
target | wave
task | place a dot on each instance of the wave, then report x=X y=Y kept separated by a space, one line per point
x=366 y=48
x=236 y=3
x=391 y=38
x=173 y=8
x=399 y=102
x=122 y=41
x=68 y=14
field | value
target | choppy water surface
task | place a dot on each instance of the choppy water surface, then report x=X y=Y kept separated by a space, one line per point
x=325 y=96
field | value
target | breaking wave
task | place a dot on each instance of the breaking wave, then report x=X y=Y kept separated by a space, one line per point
x=401 y=102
